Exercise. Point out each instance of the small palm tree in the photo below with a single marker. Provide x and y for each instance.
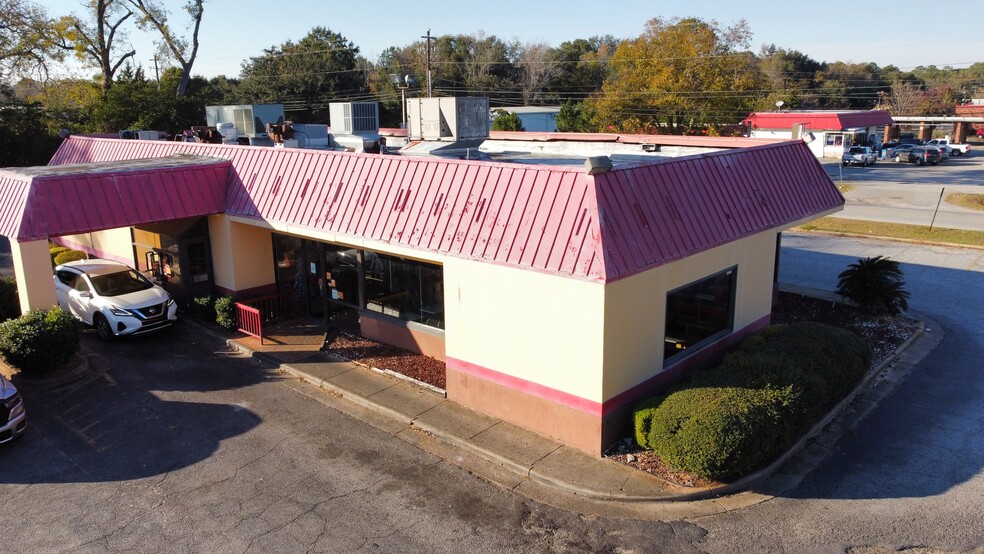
(875, 285)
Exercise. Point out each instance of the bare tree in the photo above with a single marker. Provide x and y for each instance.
(904, 99)
(93, 40)
(536, 63)
(155, 15)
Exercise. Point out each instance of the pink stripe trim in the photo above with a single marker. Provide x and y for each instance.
(620, 400)
(535, 389)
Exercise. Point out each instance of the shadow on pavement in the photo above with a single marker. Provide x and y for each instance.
(116, 423)
(923, 439)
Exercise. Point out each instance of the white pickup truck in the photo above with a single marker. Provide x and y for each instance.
(957, 149)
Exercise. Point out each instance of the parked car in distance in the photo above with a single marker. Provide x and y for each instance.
(956, 148)
(918, 155)
(13, 416)
(859, 155)
(112, 297)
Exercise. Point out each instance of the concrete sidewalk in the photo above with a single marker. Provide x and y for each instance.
(534, 465)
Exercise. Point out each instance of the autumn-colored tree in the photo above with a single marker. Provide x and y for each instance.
(679, 76)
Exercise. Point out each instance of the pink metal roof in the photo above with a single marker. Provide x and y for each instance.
(37, 203)
(553, 219)
(819, 121)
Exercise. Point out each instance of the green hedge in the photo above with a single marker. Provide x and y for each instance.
(40, 342)
(55, 250)
(9, 300)
(70, 256)
(723, 422)
(717, 431)
(225, 311)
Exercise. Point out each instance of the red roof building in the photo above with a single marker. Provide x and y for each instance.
(828, 133)
(557, 297)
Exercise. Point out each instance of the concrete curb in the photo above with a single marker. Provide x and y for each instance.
(531, 472)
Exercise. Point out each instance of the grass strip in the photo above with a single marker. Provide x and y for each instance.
(894, 231)
(971, 201)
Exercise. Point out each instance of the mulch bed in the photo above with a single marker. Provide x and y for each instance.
(383, 356)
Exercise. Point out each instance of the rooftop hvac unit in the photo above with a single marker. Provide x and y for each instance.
(148, 135)
(250, 119)
(354, 118)
(449, 119)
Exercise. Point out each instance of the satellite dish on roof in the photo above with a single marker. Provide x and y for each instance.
(779, 105)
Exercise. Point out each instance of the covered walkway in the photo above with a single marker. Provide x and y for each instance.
(38, 203)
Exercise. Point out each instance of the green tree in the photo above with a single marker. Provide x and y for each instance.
(305, 76)
(787, 76)
(574, 117)
(474, 65)
(856, 86)
(24, 138)
(875, 285)
(506, 121)
(93, 38)
(582, 66)
(679, 76)
(28, 41)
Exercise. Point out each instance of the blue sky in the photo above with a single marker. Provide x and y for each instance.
(887, 32)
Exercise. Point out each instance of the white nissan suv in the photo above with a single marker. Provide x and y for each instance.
(112, 297)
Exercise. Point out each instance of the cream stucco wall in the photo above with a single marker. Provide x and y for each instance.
(112, 244)
(536, 327)
(635, 306)
(242, 255)
(32, 270)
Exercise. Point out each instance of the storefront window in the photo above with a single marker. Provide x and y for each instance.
(286, 250)
(407, 289)
(342, 274)
(698, 312)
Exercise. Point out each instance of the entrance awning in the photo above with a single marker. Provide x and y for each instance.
(49, 201)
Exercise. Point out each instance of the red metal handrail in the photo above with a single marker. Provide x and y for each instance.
(252, 313)
(249, 320)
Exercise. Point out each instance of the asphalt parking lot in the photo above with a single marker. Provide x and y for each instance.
(906, 193)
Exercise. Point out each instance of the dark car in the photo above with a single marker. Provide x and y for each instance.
(918, 155)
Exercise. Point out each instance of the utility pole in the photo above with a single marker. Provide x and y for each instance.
(157, 73)
(429, 39)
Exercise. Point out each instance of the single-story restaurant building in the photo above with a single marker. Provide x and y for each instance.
(828, 133)
(558, 296)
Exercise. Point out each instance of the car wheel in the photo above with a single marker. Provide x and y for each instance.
(103, 329)
(919, 161)
(898, 159)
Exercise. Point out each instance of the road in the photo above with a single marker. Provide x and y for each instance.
(904, 193)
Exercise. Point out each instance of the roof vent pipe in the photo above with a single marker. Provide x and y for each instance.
(598, 164)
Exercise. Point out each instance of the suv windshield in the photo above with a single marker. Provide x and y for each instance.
(123, 282)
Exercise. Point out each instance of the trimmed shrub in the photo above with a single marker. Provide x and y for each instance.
(55, 250)
(205, 307)
(9, 300)
(70, 256)
(225, 311)
(718, 432)
(798, 369)
(40, 342)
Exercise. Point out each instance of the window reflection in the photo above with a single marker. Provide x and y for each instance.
(698, 312)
